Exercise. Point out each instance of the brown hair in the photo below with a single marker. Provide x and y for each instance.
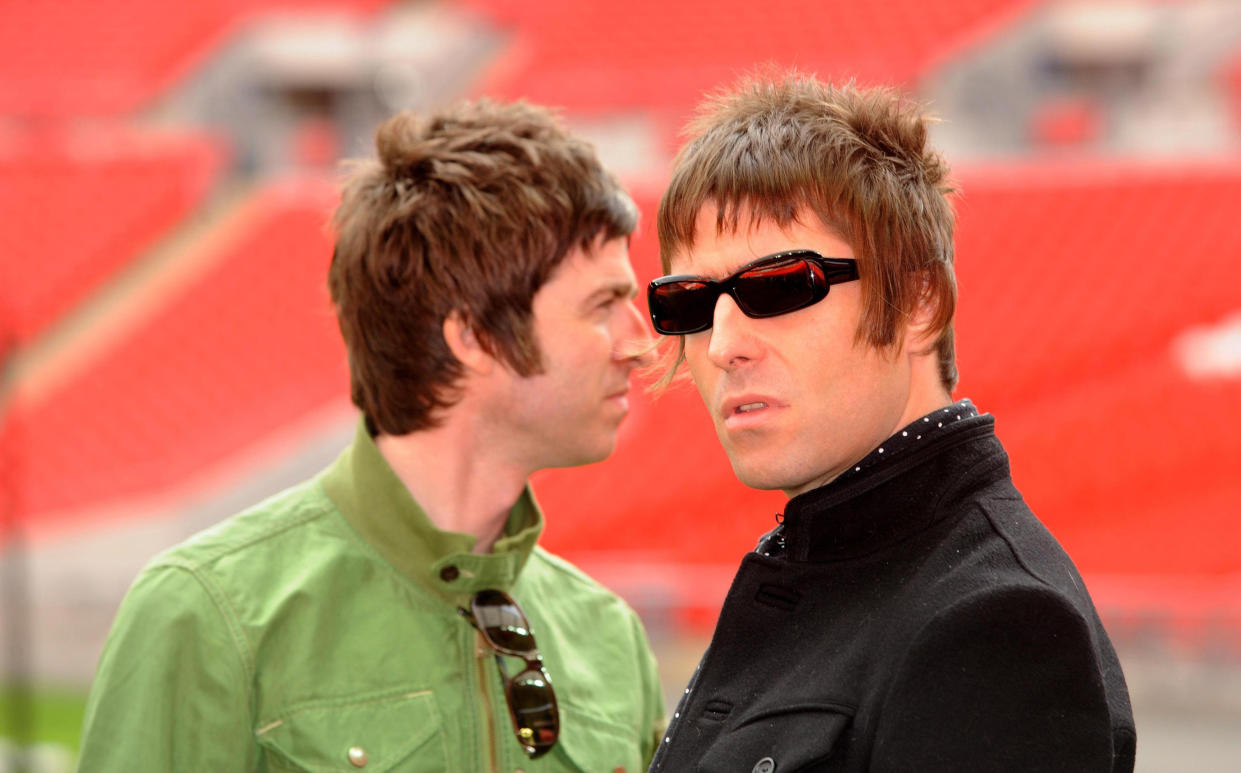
(469, 210)
(856, 158)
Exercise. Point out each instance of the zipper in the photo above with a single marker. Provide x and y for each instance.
(482, 654)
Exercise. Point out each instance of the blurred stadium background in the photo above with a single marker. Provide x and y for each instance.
(169, 353)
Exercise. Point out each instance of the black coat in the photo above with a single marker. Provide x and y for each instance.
(919, 619)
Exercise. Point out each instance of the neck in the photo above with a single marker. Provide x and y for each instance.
(922, 403)
(926, 394)
(457, 478)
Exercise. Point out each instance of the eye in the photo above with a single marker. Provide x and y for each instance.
(608, 301)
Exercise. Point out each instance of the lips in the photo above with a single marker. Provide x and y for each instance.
(748, 410)
(619, 397)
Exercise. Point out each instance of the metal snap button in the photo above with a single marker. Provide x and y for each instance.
(765, 765)
(357, 756)
(449, 573)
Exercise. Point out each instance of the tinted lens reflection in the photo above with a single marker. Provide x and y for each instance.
(775, 288)
(533, 704)
(681, 307)
(502, 623)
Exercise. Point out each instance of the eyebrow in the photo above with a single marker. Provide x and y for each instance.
(749, 264)
(612, 290)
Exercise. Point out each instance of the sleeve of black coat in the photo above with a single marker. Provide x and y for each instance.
(1005, 680)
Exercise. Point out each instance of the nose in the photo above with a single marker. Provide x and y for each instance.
(731, 342)
(633, 343)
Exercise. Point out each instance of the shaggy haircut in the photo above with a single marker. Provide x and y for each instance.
(856, 158)
(466, 211)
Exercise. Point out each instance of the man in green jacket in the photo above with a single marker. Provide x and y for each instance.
(394, 613)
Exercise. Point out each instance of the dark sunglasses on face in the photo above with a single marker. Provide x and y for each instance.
(531, 700)
(768, 287)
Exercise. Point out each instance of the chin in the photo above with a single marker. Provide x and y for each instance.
(586, 454)
(759, 477)
(773, 475)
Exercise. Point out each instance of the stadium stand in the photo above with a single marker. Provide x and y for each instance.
(663, 56)
(239, 351)
(82, 57)
(1120, 258)
(1069, 325)
(88, 201)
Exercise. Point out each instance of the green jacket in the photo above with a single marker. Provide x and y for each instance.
(320, 629)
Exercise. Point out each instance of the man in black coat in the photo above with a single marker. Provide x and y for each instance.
(909, 613)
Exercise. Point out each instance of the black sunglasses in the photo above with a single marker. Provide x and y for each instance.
(531, 700)
(767, 287)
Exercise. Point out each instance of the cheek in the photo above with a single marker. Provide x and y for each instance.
(601, 333)
(700, 369)
(575, 347)
(695, 355)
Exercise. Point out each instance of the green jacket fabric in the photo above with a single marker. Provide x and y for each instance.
(320, 631)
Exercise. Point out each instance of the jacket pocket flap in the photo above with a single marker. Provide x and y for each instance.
(790, 737)
(590, 743)
(372, 732)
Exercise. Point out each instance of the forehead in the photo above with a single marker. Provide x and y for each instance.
(604, 264)
(718, 253)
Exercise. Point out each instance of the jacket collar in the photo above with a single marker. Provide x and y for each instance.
(868, 512)
(380, 508)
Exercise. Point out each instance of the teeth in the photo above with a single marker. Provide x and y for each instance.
(750, 407)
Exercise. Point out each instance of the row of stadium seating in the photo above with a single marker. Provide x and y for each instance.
(662, 56)
(235, 352)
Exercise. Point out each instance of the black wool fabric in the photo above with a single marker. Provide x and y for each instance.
(918, 618)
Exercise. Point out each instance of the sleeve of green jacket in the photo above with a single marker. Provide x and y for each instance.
(172, 688)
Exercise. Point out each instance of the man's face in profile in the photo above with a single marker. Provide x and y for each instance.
(795, 398)
(587, 329)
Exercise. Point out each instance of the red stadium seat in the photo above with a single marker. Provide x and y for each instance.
(82, 204)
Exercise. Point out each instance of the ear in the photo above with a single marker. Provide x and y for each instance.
(465, 346)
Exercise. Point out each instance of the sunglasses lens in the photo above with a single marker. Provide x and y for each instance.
(502, 622)
(778, 288)
(682, 307)
(534, 710)
(531, 700)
